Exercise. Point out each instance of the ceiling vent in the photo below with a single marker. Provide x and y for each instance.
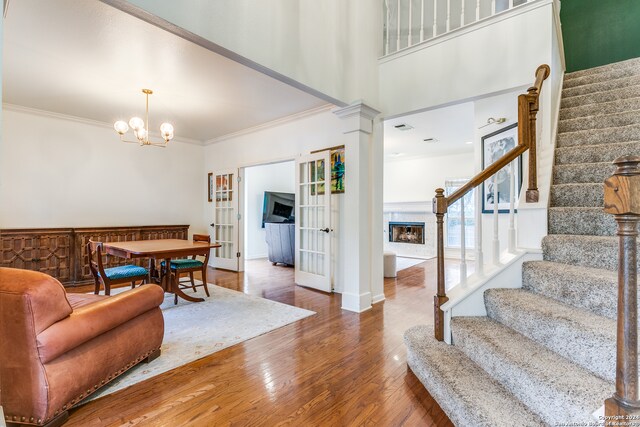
(430, 140)
(403, 126)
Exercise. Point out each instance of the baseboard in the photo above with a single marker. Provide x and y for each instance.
(356, 303)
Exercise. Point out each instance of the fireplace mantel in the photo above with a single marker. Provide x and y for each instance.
(408, 207)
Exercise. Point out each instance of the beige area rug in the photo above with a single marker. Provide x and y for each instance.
(195, 330)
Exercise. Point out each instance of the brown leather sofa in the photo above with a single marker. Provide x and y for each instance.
(57, 348)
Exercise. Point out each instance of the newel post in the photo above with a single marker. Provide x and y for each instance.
(439, 208)
(622, 199)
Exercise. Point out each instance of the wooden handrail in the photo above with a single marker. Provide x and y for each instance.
(622, 200)
(528, 105)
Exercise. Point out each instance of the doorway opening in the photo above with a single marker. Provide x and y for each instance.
(269, 215)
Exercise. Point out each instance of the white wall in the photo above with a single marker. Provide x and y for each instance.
(64, 173)
(331, 46)
(285, 142)
(465, 64)
(278, 177)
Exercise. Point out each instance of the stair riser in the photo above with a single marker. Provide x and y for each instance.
(594, 99)
(596, 294)
(551, 402)
(601, 86)
(583, 251)
(615, 73)
(593, 350)
(599, 122)
(582, 173)
(599, 136)
(596, 153)
(582, 222)
(603, 69)
(586, 195)
(619, 106)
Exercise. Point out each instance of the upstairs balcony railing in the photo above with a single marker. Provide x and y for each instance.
(410, 22)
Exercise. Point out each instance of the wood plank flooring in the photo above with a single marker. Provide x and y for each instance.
(336, 368)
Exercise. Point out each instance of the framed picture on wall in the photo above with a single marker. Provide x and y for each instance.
(494, 146)
(336, 154)
(210, 187)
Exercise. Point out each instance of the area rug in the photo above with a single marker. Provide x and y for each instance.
(195, 330)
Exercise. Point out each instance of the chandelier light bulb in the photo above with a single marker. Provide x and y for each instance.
(121, 127)
(136, 123)
(166, 128)
(141, 134)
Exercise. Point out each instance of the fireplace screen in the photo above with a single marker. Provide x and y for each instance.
(406, 232)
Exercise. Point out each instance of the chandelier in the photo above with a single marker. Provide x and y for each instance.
(141, 128)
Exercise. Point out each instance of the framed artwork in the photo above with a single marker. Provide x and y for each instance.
(210, 187)
(336, 154)
(494, 146)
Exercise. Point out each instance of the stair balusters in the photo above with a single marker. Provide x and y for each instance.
(527, 111)
(622, 200)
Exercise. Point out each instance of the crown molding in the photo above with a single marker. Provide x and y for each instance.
(271, 124)
(50, 114)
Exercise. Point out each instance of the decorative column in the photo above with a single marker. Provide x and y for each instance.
(363, 207)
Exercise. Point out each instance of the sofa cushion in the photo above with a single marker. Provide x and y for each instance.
(124, 271)
(79, 300)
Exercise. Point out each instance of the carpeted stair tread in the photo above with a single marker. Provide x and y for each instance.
(601, 86)
(616, 73)
(633, 63)
(556, 389)
(608, 135)
(582, 173)
(592, 289)
(596, 153)
(585, 338)
(624, 118)
(574, 195)
(580, 220)
(588, 251)
(466, 393)
(603, 108)
(596, 98)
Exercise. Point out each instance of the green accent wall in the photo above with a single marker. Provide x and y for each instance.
(598, 32)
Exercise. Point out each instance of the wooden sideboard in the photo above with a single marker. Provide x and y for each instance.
(62, 252)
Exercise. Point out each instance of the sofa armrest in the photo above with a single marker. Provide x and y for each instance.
(92, 320)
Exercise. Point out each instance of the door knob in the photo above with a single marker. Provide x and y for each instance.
(326, 230)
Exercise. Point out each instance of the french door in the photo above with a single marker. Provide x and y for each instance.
(225, 220)
(313, 221)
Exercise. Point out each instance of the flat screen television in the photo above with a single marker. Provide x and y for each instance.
(278, 207)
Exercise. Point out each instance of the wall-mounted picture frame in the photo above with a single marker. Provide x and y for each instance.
(336, 155)
(494, 146)
(210, 186)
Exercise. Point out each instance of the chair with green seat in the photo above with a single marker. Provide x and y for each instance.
(191, 265)
(115, 275)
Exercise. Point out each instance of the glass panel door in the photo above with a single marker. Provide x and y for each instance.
(225, 220)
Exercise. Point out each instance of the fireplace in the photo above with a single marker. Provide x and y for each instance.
(406, 232)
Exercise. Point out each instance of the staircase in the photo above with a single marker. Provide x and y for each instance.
(545, 353)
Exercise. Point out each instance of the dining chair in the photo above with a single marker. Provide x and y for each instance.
(191, 265)
(107, 277)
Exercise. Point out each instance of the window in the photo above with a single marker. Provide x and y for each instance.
(454, 217)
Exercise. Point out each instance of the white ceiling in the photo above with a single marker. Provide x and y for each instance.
(90, 60)
(451, 126)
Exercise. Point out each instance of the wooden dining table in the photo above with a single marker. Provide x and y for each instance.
(161, 250)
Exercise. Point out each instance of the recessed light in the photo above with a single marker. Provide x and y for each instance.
(403, 126)
(430, 140)
(396, 154)
(469, 142)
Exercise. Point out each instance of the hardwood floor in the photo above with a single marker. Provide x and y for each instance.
(336, 368)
